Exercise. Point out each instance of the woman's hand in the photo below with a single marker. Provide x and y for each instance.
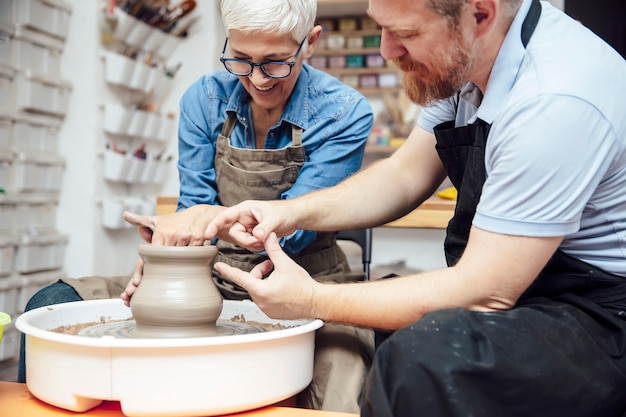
(135, 279)
(183, 228)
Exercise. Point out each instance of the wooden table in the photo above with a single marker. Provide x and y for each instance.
(434, 213)
(17, 401)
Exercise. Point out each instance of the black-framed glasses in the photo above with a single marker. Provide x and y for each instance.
(273, 69)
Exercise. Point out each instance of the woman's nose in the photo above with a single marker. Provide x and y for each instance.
(257, 75)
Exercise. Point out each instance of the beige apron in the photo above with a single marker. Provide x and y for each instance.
(264, 174)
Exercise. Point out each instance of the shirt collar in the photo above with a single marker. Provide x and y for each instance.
(295, 113)
(505, 68)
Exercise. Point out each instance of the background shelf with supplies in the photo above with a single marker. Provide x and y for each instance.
(34, 101)
(139, 38)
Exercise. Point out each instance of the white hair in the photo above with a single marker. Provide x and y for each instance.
(282, 17)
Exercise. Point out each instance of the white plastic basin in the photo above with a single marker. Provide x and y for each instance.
(164, 377)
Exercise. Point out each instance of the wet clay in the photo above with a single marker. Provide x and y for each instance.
(176, 296)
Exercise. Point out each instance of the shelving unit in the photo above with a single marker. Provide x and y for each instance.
(34, 102)
(353, 55)
(136, 130)
(358, 44)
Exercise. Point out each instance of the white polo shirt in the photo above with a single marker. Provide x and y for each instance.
(556, 152)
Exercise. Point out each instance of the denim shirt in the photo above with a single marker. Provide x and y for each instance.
(336, 122)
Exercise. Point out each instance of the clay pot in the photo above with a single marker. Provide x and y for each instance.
(177, 296)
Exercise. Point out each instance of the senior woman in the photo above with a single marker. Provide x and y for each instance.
(269, 127)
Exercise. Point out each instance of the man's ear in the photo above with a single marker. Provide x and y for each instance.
(485, 13)
(313, 37)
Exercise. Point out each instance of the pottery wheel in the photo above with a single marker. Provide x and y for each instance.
(126, 329)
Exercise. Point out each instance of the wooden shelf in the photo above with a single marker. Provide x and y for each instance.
(434, 213)
(356, 32)
(358, 71)
(322, 57)
(379, 90)
(347, 51)
(340, 8)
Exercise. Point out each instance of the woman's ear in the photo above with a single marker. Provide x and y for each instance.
(313, 37)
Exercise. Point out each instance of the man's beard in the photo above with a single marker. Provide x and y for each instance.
(450, 70)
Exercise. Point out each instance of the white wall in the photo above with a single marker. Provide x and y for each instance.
(93, 250)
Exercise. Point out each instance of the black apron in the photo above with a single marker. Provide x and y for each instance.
(560, 352)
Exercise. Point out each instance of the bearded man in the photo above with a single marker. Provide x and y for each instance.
(525, 114)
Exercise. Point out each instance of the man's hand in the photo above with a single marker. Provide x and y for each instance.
(184, 228)
(249, 223)
(287, 293)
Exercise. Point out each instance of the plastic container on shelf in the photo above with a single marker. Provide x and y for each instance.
(7, 89)
(129, 30)
(9, 295)
(111, 216)
(32, 282)
(116, 118)
(139, 35)
(118, 69)
(37, 51)
(161, 170)
(35, 133)
(6, 166)
(124, 26)
(374, 61)
(167, 48)
(337, 61)
(335, 41)
(137, 123)
(389, 79)
(6, 132)
(34, 213)
(40, 172)
(355, 61)
(136, 168)
(116, 166)
(10, 338)
(114, 207)
(40, 252)
(320, 61)
(139, 80)
(6, 44)
(8, 246)
(354, 42)
(34, 92)
(7, 213)
(149, 172)
(48, 16)
(152, 125)
(155, 40)
(162, 85)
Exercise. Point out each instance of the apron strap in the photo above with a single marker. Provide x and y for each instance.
(296, 135)
(530, 23)
(229, 125)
